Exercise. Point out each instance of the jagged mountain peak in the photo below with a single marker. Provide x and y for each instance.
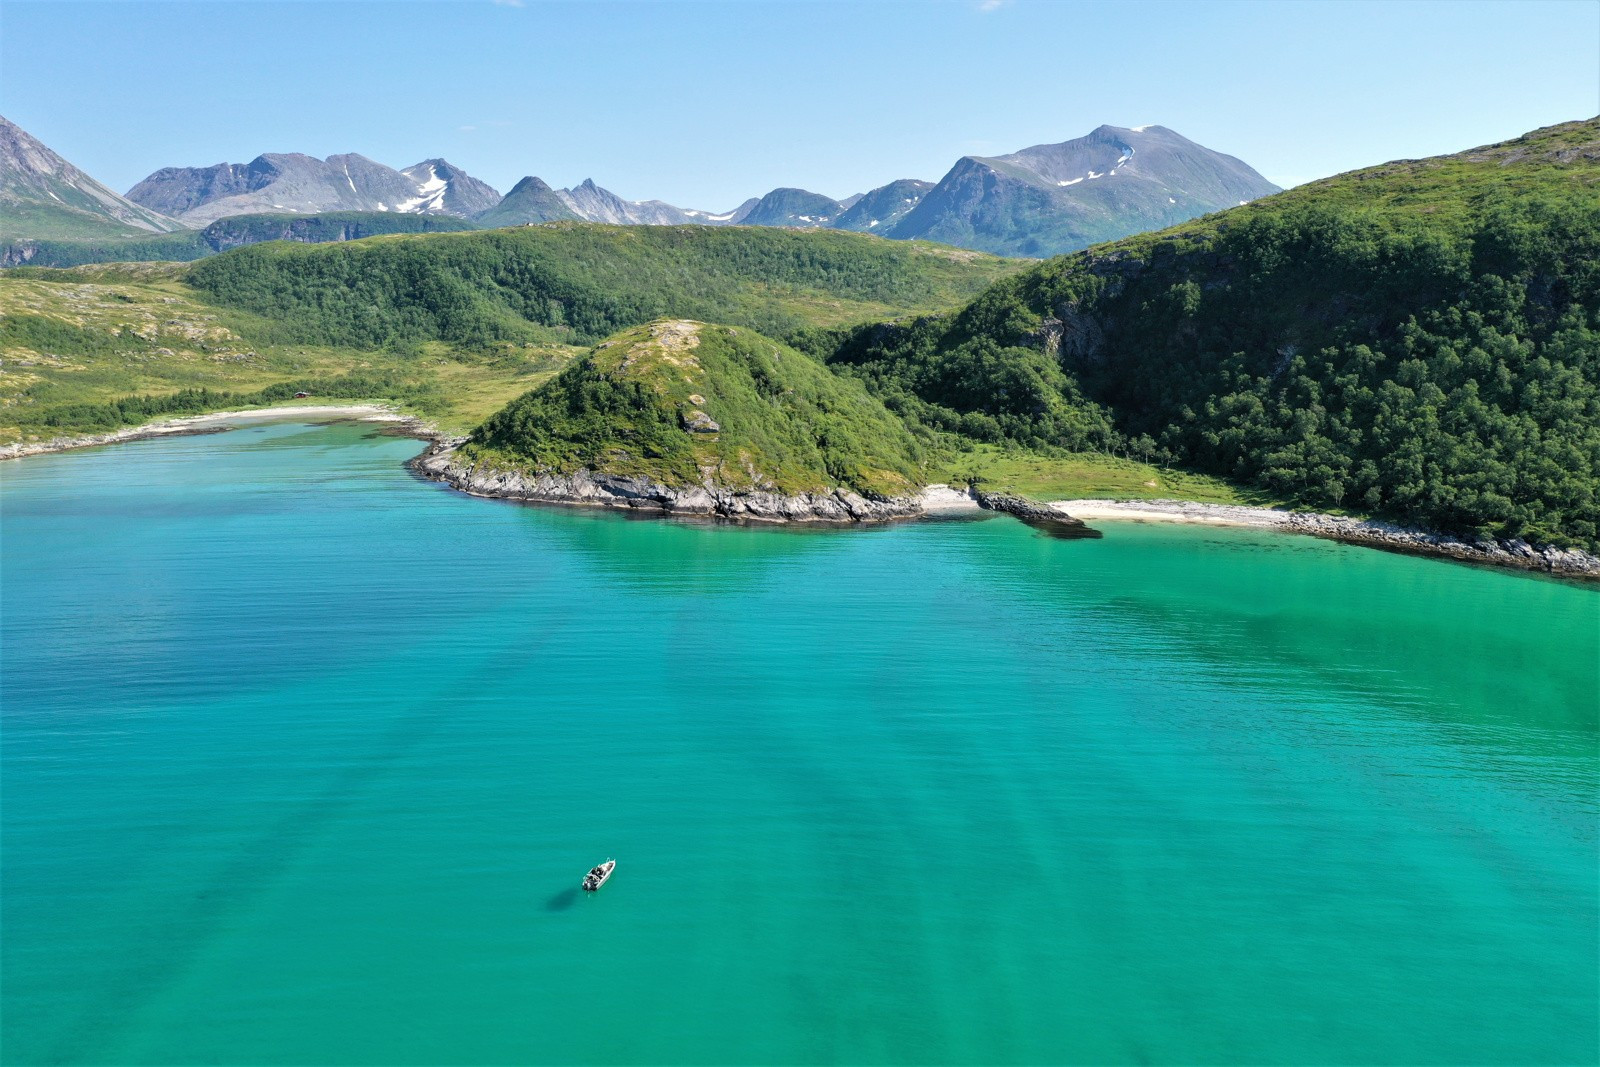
(879, 210)
(531, 200)
(451, 190)
(1053, 198)
(532, 181)
(793, 207)
(296, 183)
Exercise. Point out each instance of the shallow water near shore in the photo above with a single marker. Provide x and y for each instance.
(304, 758)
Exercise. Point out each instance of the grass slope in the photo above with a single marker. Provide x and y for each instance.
(1085, 475)
(1419, 340)
(94, 349)
(684, 404)
(580, 282)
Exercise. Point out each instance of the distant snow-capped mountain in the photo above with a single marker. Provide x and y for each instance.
(1039, 201)
(1055, 198)
(300, 184)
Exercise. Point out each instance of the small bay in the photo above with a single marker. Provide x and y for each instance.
(303, 760)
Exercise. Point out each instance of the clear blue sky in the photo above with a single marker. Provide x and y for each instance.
(705, 104)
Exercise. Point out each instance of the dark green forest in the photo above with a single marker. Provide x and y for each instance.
(1419, 341)
(580, 282)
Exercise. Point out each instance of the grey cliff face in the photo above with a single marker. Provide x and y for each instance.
(589, 201)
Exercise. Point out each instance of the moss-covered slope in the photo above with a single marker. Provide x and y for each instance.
(683, 404)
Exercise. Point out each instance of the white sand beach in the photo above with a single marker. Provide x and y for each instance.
(211, 422)
(1183, 511)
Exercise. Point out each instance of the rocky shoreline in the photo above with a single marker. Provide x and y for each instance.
(1060, 518)
(593, 489)
(1064, 519)
(1565, 562)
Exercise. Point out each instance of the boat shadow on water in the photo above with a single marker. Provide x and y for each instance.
(562, 900)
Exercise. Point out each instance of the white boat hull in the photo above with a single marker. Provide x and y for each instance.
(599, 876)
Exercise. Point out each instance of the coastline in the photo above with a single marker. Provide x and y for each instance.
(1058, 518)
(843, 507)
(585, 488)
(1563, 562)
(219, 421)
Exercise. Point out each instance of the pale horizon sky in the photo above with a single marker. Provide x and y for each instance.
(704, 104)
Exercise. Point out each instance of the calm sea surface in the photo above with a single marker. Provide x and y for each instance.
(303, 760)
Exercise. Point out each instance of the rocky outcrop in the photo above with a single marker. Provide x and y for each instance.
(598, 489)
(1053, 521)
(697, 421)
(18, 254)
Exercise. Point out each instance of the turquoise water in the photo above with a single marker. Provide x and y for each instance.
(303, 760)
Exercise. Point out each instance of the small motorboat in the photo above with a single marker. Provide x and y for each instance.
(598, 875)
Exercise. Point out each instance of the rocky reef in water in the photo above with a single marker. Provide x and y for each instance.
(1043, 517)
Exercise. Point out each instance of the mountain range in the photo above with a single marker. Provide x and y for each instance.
(1040, 201)
(300, 184)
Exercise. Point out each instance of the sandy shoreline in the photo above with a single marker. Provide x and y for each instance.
(1180, 511)
(215, 422)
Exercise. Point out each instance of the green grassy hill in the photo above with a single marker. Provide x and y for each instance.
(1419, 340)
(580, 282)
(428, 321)
(97, 348)
(681, 403)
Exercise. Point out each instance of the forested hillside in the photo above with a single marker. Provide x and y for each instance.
(583, 281)
(1419, 340)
